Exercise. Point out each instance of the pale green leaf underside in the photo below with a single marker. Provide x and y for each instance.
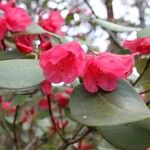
(20, 73)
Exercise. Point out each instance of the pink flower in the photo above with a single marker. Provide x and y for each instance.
(63, 63)
(46, 87)
(25, 43)
(141, 45)
(45, 43)
(54, 22)
(84, 146)
(8, 107)
(104, 70)
(17, 19)
(45, 46)
(43, 104)
(3, 28)
(62, 100)
(6, 7)
(69, 91)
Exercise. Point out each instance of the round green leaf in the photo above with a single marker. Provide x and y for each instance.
(108, 108)
(20, 73)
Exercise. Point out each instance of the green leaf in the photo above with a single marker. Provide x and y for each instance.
(104, 145)
(144, 32)
(115, 27)
(5, 55)
(145, 79)
(108, 108)
(20, 73)
(37, 29)
(34, 29)
(19, 100)
(133, 136)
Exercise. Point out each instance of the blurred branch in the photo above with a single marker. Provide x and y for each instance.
(112, 35)
(31, 144)
(4, 126)
(144, 92)
(109, 7)
(77, 130)
(72, 141)
(141, 4)
(14, 128)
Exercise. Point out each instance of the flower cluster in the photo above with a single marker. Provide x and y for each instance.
(15, 19)
(66, 62)
(25, 43)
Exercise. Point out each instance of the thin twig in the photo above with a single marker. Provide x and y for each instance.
(77, 131)
(6, 129)
(14, 128)
(145, 68)
(53, 120)
(61, 119)
(31, 144)
(72, 141)
(144, 92)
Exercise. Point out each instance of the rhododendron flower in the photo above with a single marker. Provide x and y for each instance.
(54, 22)
(45, 46)
(45, 43)
(63, 62)
(17, 19)
(104, 70)
(46, 87)
(62, 100)
(3, 28)
(7, 6)
(141, 45)
(7, 106)
(43, 104)
(69, 91)
(84, 146)
(25, 43)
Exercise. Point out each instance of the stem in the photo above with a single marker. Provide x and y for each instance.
(31, 144)
(77, 130)
(61, 119)
(4, 126)
(52, 118)
(14, 128)
(144, 92)
(72, 141)
(145, 68)
(4, 45)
